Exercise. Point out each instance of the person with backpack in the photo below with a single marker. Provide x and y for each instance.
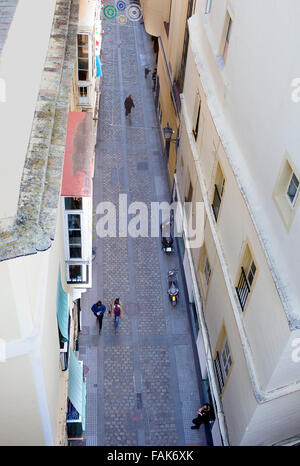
(117, 312)
(99, 310)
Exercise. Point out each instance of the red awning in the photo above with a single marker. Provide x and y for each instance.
(78, 161)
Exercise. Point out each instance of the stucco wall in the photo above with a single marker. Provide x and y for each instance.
(22, 63)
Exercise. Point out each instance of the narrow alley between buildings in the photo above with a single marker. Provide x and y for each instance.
(143, 382)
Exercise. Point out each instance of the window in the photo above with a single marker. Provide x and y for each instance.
(223, 363)
(83, 57)
(286, 191)
(73, 203)
(224, 44)
(218, 192)
(189, 193)
(225, 50)
(206, 270)
(74, 234)
(196, 115)
(167, 23)
(84, 95)
(208, 6)
(226, 358)
(293, 189)
(246, 277)
(77, 272)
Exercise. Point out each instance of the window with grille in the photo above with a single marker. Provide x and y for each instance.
(246, 279)
(223, 363)
(206, 270)
(218, 191)
(286, 191)
(74, 235)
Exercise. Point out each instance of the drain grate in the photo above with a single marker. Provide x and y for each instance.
(139, 401)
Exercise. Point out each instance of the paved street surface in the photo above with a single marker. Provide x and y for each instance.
(142, 387)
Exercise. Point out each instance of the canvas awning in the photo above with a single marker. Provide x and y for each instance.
(78, 160)
(62, 307)
(77, 386)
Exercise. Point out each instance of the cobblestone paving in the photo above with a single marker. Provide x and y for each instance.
(142, 388)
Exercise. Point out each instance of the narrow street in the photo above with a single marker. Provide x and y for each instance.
(142, 385)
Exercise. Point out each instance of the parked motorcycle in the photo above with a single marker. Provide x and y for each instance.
(167, 239)
(173, 290)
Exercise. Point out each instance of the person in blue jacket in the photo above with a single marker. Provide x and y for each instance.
(99, 310)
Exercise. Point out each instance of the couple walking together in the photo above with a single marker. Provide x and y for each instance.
(116, 309)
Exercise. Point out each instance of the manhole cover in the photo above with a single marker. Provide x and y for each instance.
(142, 166)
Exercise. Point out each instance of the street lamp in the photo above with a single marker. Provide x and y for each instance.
(168, 132)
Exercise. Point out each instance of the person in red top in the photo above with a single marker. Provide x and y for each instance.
(117, 310)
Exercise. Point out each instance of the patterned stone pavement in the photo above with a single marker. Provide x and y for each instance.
(142, 387)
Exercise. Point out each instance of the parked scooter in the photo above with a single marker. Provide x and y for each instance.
(173, 290)
(167, 239)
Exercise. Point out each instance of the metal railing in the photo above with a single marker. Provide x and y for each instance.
(219, 373)
(243, 289)
(216, 203)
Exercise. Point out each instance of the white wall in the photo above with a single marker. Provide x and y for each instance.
(21, 67)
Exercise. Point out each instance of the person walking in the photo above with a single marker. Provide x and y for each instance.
(147, 71)
(99, 310)
(154, 74)
(205, 414)
(117, 309)
(128, 103)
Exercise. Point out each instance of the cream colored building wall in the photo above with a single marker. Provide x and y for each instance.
(31, 373)
(238, 400)
(9, 324)
(235, 227)
(249, 423)
(20, 422)
(152, 14)
(49, 348)
(22, 63)
(272, 421)
(254, 94)
(21, 280)
(264, 320)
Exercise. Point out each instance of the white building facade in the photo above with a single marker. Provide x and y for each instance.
(239, 150)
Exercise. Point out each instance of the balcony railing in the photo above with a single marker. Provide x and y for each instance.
(243, 289)
(216, 203)
(219, 373)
